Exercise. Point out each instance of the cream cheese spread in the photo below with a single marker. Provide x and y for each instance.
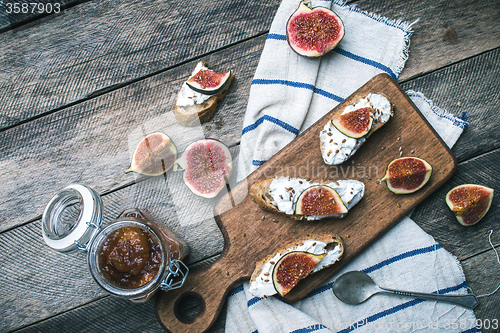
(263, 286)
(338, 147)
(188, 96)
(285, 192)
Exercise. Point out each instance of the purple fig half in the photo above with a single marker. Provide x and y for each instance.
(155, 154)
(469, 202)
(208, 82)
(207, 164)
(293, 267)
(407, 175)
(312, 32)
(356, 123)
(319, 200)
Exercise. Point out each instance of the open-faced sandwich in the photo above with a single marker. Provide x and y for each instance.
(349, 128)
(281, 271)
(197, 99)
(303, 199)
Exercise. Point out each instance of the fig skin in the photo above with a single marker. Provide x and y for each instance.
(400, 171)
(155, 154)
(306, 11)
(215, 82)
(300, 265)
(355, 118)
(323, 203)
(208, 174)
(469, 202)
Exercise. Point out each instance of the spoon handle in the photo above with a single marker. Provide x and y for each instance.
(468, 301)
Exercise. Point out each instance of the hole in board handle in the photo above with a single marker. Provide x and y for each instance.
(188, 307)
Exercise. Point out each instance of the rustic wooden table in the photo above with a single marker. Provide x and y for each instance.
(74, 84)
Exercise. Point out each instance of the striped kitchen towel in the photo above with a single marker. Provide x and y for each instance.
(288, 94)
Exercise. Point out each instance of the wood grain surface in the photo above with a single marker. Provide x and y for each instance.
(74, 86)
(85, 58)
(260, 233)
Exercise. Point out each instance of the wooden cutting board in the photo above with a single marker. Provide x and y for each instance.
(251, 234)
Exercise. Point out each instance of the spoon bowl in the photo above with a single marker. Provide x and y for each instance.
(355, 287)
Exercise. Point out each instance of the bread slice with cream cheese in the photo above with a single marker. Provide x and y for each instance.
(280, 194)
(261, 281)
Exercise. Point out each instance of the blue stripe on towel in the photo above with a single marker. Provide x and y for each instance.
(236, 290)
(258, 162)
(303, 85)
(397, 308)
(401, 256)
(347, 54)
(310, 328)
(278, 122)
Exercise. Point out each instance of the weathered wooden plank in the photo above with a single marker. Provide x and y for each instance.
(107, 314)
(434, 216)
(482, 272)
(92, 142)
(16, 13)
(446, 32)
(470, 88)
(46, 69)
(100, 44)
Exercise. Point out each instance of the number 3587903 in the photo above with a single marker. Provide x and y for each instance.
(32, 8)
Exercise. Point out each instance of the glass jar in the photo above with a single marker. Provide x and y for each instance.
(131, 258)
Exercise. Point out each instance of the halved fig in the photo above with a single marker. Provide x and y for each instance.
(207, 164)
(319, 200)
(469, 202)
(293, 267)
(208, 82)
(154, 155)
(312, 32)
(355, 124)
(407, 175)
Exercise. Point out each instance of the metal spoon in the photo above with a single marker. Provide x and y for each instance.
(355, 287)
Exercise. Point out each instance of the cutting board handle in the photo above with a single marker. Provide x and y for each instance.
(203, 293)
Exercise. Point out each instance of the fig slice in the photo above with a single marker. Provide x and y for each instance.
(155, 154)
(292, 267)
(319, 200)
(356, 123)
(208, 82)
(207, 164)
(407, 175)
(312, 32)
(469, 202)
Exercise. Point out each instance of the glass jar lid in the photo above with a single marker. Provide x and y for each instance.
(72, 218)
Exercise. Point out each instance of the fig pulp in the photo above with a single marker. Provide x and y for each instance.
(208, 82)
(469, 202)
(154, 155)
(319, 200)
(355, 124)
(312, 32)
(293, 267)
(207, 164)
(407, 175)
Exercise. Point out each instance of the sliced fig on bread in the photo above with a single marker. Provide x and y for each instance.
(352, 125)
(198, 97)
(281, 271)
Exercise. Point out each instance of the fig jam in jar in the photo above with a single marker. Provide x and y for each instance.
(132, 257)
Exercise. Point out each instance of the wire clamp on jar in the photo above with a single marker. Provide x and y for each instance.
(177, 276)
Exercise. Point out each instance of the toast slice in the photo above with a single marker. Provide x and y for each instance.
(202, 107)
(280, 195)
(336, 147)
(261, 281)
